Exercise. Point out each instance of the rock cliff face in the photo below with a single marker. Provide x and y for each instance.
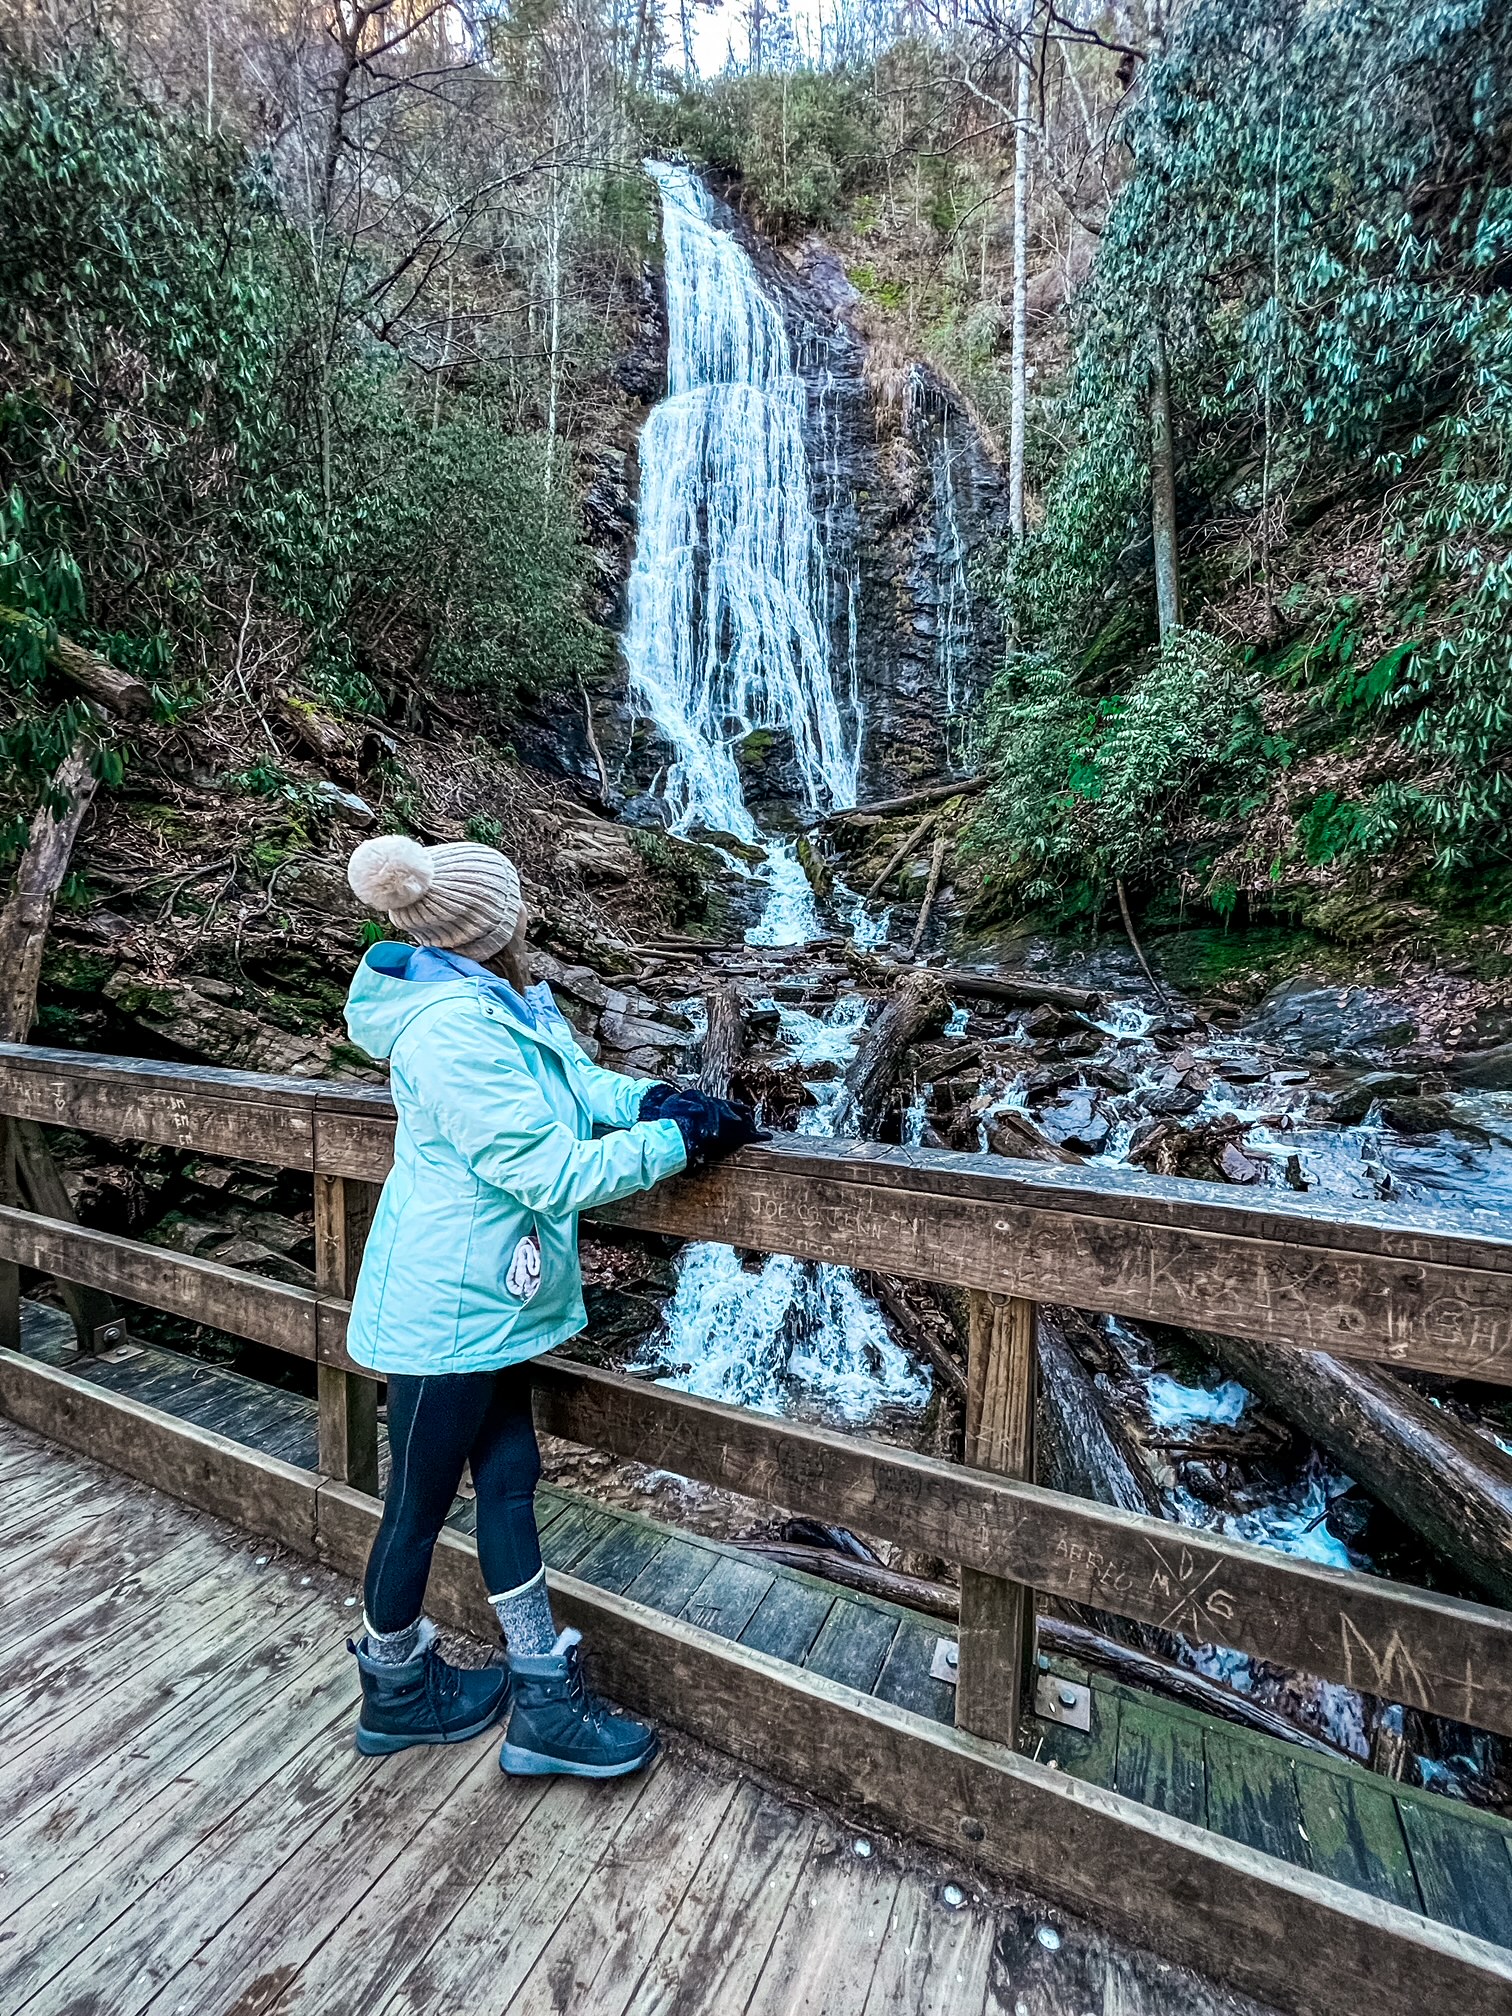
(906, 493)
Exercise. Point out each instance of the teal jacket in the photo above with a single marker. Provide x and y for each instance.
(497, 1110)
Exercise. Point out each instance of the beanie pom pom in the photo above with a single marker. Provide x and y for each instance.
(391, 873)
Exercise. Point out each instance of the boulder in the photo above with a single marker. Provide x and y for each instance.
(1487, 1071)
(1349, 1107)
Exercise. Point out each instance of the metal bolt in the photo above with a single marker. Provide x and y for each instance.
(973, 1829)
(1043, 1663)
(1048, 1937)
(954, 1896)
(863, 1849)
(952, 1655)
(1068, 1697)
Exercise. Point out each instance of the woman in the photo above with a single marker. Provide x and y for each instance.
(505, 1133)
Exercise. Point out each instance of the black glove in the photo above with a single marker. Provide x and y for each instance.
(653, 1105)
(710, 1127)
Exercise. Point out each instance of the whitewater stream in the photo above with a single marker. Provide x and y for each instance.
(731, 598)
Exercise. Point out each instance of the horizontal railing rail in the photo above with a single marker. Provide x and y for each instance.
(1424, 1290)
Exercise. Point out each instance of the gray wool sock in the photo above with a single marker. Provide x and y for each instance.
(525, 1618)
(395, 1648)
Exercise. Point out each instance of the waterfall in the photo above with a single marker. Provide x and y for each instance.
(731, 610)
(729, 593)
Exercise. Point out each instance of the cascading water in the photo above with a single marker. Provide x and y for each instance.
(729, 592)
(731, 601)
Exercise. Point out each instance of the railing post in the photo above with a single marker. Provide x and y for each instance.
(348, 1402)
(997, 1617)
(10, 1273)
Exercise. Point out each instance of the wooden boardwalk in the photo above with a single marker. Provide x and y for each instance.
(1412, 1848)
(186, 1829)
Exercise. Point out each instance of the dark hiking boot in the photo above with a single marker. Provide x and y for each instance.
(556, 1725)
(425, 1700)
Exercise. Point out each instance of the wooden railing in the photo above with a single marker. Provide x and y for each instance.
(1431, 1291)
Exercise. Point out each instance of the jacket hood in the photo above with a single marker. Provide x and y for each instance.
(389, 989)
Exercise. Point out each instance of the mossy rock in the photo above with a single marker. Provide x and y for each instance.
(1357, 920)
(1242, 963)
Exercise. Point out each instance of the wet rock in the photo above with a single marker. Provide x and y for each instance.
(763, 1025)
(1322, 1021)
(1046, 1080)
(1015, 1135)
(1349, 1107)
(1080, 1043)
(1078, 1123)
(1111, 1077)
(1488, 1071)
(199, 1018)
(1166, 1148)
(1429, 1116)
(1172, 1101)
(1238, 1167)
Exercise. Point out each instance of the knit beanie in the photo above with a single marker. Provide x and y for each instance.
(460, 897)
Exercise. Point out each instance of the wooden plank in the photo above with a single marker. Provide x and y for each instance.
(1452, 1657)
(827, 1946)
(629, 1546)
(71, 1871)
(788, 1619)
(241, 1115)
(671, 1576)
(719, 1937)
(729, 1595)
(593, 1959)
(1354, 1834)
(1288, 1936)
(1417, 1287)
(149, 1935)
(269, 1312)
(906, 1679)
(501, 1930)
(387, 1927)
(1252, 1795)
(278, 1923)
(932, 1963)
(1465, 1873)
(1160, 1763)
(251, 1490)
(82, 1591)
(10, 1273)
(348, 1402)
(1292, 1937)
(996, 1631)
(853, 1642)
(1090, 1755)
(580, 1527)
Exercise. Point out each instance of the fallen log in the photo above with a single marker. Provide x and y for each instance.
(1433, 1472)
(927, 794)
(1020, 990)
(890, 1293)
(724, 1039)
(931, 890)
(899, 855)
(120, 692)
(1054, 1635)
(24, 925)
(919, 1004)
(913, 1592)
(1142, 1669)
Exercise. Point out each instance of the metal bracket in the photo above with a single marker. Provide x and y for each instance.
(946, 1663)
(1063, 1701)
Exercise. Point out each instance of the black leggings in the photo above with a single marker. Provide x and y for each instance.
(435, 1425)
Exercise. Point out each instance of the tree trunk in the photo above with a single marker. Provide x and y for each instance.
(121, 692)
(1443, 1481)
(723, 1041)
(1020, 370)
(24, 925)
(900, 854)
(26, 917)
(931, 890)
(1020, 990)
(927, 794)
(1163, 487)
(920, 1003)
